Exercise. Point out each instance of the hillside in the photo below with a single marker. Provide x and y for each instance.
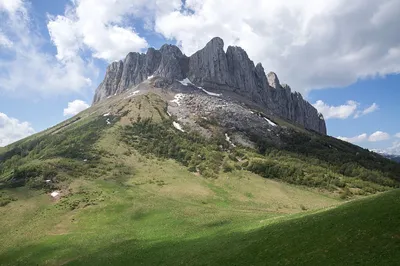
(135, 189)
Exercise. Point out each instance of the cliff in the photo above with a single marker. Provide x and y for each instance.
(212, 67)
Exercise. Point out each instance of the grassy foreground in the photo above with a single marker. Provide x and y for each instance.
(139, 227)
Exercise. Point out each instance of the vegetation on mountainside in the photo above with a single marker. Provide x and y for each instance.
(303, 161)
(54, 157)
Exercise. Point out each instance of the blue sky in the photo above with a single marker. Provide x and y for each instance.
(345, 59)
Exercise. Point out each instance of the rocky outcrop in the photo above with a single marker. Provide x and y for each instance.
(111, 81)
(209, 65)
(212, 68)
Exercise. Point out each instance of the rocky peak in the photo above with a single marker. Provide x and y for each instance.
(214, 69)
(209, 65)
(172, 64)
(273, 80)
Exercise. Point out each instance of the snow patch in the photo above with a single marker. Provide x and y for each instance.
(48, 181)
(132, 94)
(106, 114)
(228, 139)
(150, 77)
(178, 126)
(185, 82)
(108, 122)
(270, 122)
(177, 99)
(210, 93)
(55, 194)
(168, 113)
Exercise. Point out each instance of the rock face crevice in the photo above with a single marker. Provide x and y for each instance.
(212, 67)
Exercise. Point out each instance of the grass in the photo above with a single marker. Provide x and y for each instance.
(185, 207)
(136, 225)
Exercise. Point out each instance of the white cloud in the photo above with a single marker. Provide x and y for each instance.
(341, 112)
(374, 107)
(11, 6)
(378, 136)
(356, 139)
(29, 70)
(374, 137)
(397, 135)
(12, 129)
(309, 43)
(393, 150)
(75, 107)
(4, 41)
(100, 26)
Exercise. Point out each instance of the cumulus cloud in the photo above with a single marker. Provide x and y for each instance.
(309, 43)
(356, 139)
(12, 129)
(374, 137)
(75, 107)
(394, 149)
(345, 110)
(374, 107)
(341, 112)
(11, 5)
(397, 135)
(99, 25)
(27, 69)
(378, 136)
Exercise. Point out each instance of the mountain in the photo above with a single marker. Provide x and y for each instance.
(193, 165)
(217, 71)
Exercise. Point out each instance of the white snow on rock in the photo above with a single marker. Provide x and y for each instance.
(185, 82)
(270, 122)
(55, 194)
(168, 113)
(106, 114)
(108, 122)
(177, 99)
(210, 93)
(132, 94)
(48, 181)
(228, 139)
(150, 77)
(178, 126)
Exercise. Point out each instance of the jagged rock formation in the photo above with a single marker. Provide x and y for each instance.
(212, 68)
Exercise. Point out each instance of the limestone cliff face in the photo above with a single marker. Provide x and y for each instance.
(212, 67)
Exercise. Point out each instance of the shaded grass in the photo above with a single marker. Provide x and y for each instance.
(363, 232)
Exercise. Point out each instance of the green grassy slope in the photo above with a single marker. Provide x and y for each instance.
(359, 233)
(136, 227)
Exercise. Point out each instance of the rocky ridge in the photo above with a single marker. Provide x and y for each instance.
(216, 70)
